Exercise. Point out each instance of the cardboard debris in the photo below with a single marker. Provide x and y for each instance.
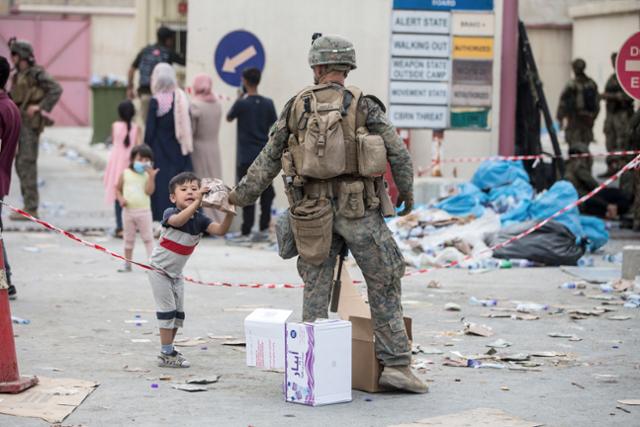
(434, 284)
(417, 348)
(632, 402)
(189, 342)
(127, 368)
(499, 344)
(204, 380)
(600, 297)
(606, 378)
(548, 354)
(619, 317)
(52, 400)
(221, 337)
(480, 417)
(235, 343)
(516, 357)
(365, 367)
(189, 387)
(479, 330)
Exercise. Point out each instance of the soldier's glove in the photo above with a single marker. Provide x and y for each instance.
(407, 199)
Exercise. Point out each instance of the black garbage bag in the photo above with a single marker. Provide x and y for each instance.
(552, 244)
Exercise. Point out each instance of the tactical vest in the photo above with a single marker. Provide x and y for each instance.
(328, 138)
(25, 90)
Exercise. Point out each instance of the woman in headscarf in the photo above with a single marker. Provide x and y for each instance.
(168, 133)
(206, 113)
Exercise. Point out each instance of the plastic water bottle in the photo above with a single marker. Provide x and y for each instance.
(20, 320)
(633, 301)
(606, 288)
(569, 285)
(614, 258)
(528, 307)
(491, 263)
(522, 263)
(475, 265)
(586, 261)
(483, 302)
(505, 263)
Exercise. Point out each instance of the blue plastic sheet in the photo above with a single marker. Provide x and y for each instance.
(561, 194)
(596, 232)
(508, 197)
(462, 205)
(492, 174)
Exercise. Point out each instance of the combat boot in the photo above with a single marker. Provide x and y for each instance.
(402, 378)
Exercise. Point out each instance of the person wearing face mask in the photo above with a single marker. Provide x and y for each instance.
(134, 188)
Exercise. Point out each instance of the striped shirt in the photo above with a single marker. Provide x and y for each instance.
(177, 244)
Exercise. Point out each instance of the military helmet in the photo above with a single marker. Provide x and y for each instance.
(22, 48)
(332, 50)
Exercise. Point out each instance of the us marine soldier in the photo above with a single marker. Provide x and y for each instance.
(578, 107)
(332, 143)
(616, 123)
(34, 92)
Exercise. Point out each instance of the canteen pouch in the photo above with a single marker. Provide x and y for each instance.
(312, 226)
(286, 241)
(372, 155)
(351, 199)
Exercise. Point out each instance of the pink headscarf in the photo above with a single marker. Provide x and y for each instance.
(202, 85)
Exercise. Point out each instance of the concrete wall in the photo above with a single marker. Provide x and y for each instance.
(552, 47)
(285, 28)
(598, 30)
(112, 47)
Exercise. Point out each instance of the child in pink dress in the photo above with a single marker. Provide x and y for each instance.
(124, 135)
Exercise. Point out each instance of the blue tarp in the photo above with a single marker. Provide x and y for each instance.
(595, 231)
(492, 174)
(462, 205)
(561, 194)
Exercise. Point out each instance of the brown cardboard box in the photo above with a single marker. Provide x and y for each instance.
(365, 368)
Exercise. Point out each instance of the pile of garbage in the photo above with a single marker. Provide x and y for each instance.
(498, 204)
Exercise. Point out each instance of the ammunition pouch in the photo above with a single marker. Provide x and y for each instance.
(312, 227)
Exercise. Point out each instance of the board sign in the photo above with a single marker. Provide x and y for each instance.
(470, 96)
(419, 116)
(628, 66)
(423, 22)
(472, 48)
(419, 93)
(443, 4)
(470, 118)
(420, 69)
(472, 72)
(419, 45)
(237, 51)
(472, 24)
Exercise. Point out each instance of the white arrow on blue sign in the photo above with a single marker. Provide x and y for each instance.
(237, 51)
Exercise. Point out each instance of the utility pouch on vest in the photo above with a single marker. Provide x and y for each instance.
(372, 154)
(323, 149)
(284, 234)
(312, 226)
(287, 164)
(351, 199)
(386, 205)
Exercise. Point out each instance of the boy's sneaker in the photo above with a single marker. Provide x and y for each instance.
(126, 268)
(173, 360)
(260, 236)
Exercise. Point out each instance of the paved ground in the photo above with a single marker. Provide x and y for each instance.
(78, 306)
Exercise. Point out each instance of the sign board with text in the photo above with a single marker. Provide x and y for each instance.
(628, 66)
(441, 58)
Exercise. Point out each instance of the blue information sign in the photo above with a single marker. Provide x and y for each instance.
(443, 4)
(237, 51)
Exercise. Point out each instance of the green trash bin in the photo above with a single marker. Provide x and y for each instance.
(105, 110)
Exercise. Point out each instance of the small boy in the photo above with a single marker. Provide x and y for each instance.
(182, 227)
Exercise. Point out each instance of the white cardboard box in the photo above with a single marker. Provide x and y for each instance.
(318, 362)
(264, 335)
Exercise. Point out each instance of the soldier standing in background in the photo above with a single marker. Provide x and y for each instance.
(332, 144)
(34, 92)
(616, 124)
(579, 106)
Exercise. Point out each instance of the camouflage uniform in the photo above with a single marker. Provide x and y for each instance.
(31, 86)
(580, 117)
(633, 176)
(368, 238)
(616, 124)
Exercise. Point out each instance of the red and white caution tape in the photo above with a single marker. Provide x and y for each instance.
(423, 171)
(147, 267)
(632, 164)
